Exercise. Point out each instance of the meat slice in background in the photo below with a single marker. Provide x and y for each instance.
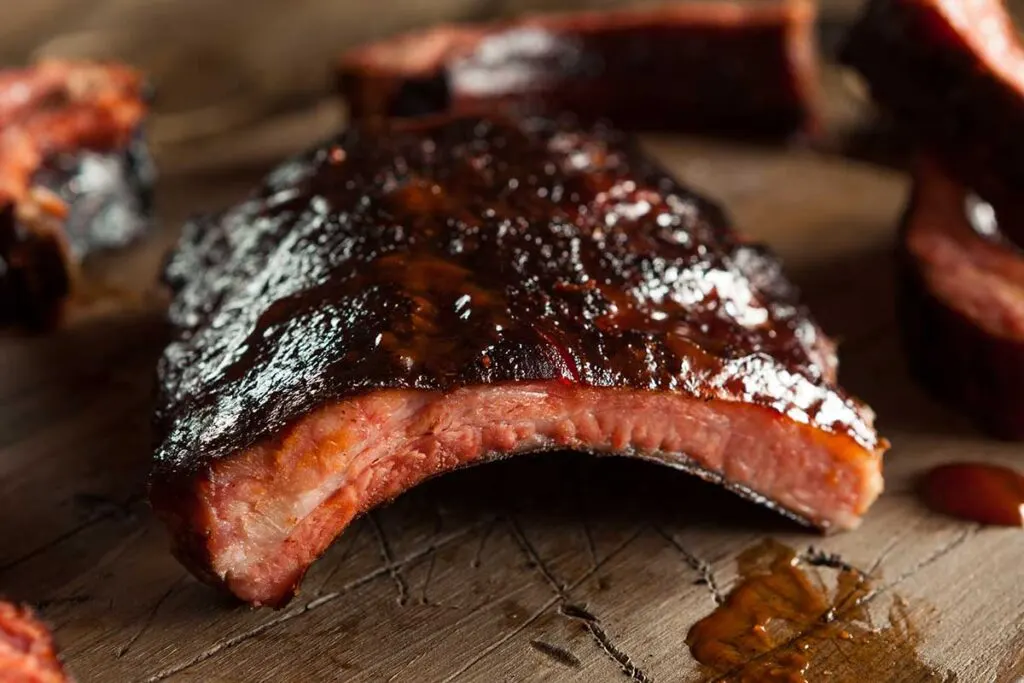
(75, 179)
(415, 296)
(723, 67)
(27, 653)
(951, 74)
(962, 302)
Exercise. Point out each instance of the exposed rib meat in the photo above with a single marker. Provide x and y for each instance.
(75, 178)
(951, 72)
(728, 67)
(27, 654)
(424, 295)
(962, 302)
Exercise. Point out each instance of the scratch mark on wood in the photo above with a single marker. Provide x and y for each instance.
(702, 567)
(385, 551)
(576, 612)
(544, 608)
(483, 541)
(405, 667)
(325, 599)
(930, 560)
(72, 600)
(591, 546)
(551, 602)
(424, 600)
(114, 554)
(558, 654)
(123, 650)
(350, 543)
(839, 650)
(435, 505)
(100, 504)
(57, 540)
(884, 554)
(600, 635)
(534, 556)
(820, 558)
(616, 653)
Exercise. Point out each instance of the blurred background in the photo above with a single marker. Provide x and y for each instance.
(225, 69)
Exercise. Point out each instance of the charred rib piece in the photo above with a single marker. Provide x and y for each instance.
(719, 67)
(414, 298)
(961, 303)
(27, 654)
(75, 179)
(951, 72)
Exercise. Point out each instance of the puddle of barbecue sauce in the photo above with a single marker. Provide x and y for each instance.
(781, 624)
(980, 492)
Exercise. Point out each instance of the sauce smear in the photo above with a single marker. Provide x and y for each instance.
(989, 494)
(782, 624)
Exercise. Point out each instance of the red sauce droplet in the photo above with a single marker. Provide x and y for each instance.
(990, 494)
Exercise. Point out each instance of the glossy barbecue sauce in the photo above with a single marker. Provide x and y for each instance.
(989, 494)
(781, 624)
(452, 252)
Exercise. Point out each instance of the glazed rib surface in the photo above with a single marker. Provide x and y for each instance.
(417, 296)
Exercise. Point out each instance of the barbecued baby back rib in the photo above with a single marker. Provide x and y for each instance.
(75, 178)
(740, 68)
(411, 298)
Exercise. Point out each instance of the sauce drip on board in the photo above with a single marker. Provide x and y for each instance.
(989, 494)
(782, 624)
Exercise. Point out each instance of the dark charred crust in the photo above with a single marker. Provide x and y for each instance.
(108, 196)
(943, 94)
(744, 70)
(447, 253)
(952, 356)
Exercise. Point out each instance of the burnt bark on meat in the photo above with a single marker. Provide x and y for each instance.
(27, 653)
(952, 75)
(960, 306)
(75, 179)
(415, 296)
(742, 69)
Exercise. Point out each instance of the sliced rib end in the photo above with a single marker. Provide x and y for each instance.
(962, 306)
(253, 523)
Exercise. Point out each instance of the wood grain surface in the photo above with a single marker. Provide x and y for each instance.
(481, 575)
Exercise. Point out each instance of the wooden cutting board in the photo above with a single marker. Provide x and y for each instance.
(480, 575)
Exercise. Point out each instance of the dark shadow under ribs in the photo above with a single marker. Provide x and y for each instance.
(962, 302)
(27, 653)
(75, 179)
(423, 295)
(722, 67)
(951, 73)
